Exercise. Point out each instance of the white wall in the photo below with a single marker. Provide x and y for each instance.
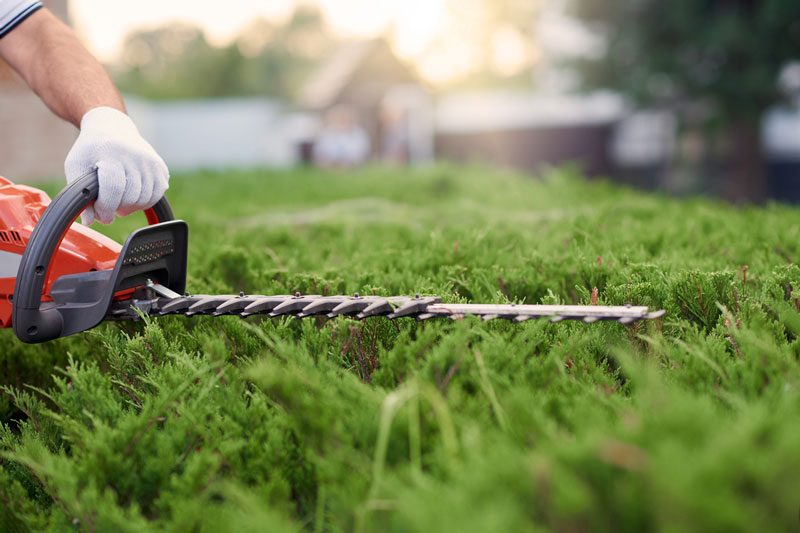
(218, 133)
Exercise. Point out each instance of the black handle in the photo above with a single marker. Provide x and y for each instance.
(33, 322)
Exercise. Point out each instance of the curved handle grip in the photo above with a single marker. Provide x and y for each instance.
(30, 321)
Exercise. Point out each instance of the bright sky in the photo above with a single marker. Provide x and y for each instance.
(415, 24)
(105, 23)
(423, 30)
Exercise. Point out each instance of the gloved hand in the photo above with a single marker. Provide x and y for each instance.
(131, 174)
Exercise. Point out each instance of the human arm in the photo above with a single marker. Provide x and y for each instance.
(58, 68)
(71, 82)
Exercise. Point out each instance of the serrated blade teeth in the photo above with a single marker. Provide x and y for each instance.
(322, 306)
(208, 304)
(234, 306)
(351, 306)
(414, 306)
(421, 308)
(177, 305)
(263, 305)
(380, 306)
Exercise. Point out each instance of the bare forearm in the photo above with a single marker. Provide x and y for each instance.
(131, 176)
(59, 69)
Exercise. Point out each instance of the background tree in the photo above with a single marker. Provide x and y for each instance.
(726, 55)
(268, 59)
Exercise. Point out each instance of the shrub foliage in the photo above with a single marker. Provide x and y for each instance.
(260, 424)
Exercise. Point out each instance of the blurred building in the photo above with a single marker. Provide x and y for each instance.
(35, 142)
(384, 96)
(604, 136)
(527, 131)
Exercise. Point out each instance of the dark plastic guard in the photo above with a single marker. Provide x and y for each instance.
(153, 253)
(34, 321)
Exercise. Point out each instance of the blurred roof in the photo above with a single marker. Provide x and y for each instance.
(363, 62)
(327, 82)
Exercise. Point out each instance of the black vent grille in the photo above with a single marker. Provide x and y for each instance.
(148, 252)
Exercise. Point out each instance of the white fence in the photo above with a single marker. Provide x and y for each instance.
(218, 133)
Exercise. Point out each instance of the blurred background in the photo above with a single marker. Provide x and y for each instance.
(686, 96)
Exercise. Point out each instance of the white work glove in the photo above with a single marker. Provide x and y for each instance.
(131, 174)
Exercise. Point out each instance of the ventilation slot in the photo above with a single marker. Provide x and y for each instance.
(10, 237)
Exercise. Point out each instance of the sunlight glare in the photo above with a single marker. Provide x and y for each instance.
(435, 35)
(510, 52)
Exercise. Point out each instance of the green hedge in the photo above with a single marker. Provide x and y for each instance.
(202, 424)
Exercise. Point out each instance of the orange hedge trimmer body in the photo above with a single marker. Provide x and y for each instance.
(81, 250)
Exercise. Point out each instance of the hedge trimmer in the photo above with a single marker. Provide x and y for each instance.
(58, 278)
